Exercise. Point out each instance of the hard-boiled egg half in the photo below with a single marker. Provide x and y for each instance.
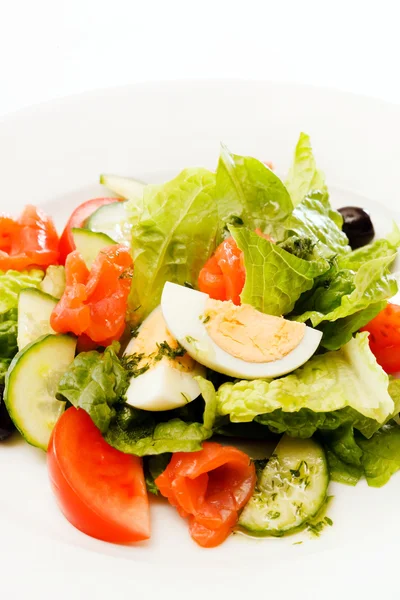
(163, 374)
(236, 340)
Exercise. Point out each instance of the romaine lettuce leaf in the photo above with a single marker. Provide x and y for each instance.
(95, 382)
(303, 176)
(275, 279)
(337, 333)
(4, 364)
(248, 192)
(343, 455)
(381, 248)
(12, 282)
(327, 383)
(381, 454)
(314, 219)
(138, 432)
(341, 293)
(173, 237)
(153, 467)
(8, 333)
(350, 455)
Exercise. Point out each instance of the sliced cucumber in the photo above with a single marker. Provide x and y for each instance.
(34, 310)
(126, 187)
(111, 219)
(54, 281)
(31, 385)
(89, 244)
(290, 490)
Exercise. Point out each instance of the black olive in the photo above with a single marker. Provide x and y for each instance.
(6, 425)
(357, 225)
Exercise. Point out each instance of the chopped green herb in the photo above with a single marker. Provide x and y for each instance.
(131, 364)
(329, 521)
(206, 319)
(273, 514)
(188, 285)
(165, 350)
(190, 339)
(135, 331)
(297, 543)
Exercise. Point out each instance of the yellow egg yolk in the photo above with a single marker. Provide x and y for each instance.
(250, 335)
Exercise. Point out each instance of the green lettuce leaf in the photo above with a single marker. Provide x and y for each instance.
(381, 454)
(337, 333)
(153, 467)
(382, 248)
(341, 293)
(248, 192)
(356, 281)
(350, 455)
(4, 364)
(344, 455)
(12, 282)
(8, 333)
(275, 279)
(315, 220)
(303, 176)
(327, 383)
(138, 432)
(95, 382)
(173, 237)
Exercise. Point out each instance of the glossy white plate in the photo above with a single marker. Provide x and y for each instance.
(52, 155)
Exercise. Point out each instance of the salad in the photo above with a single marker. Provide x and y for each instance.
(170, 321)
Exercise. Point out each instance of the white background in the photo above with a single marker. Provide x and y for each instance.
(53, 48)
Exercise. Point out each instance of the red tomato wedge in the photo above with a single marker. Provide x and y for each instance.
(223, 276)
(94, 302)
(29, 241)
(210, 487)
(77, 219)
(100, 490)
(384, 338)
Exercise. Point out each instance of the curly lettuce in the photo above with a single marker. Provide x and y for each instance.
(303, 176)
(139, 432)
(95, 382)
(250, 193)
(275, 278)
(349, 378)
(173, 237)
(12, 282)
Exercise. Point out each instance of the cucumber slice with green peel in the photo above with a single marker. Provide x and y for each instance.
(290, 490)
(34, 311)
(90, 243)
(31, 385)
(111, 219)
(126, 187)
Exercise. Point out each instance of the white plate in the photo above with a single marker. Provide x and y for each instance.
(52, 155)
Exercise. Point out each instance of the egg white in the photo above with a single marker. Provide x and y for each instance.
(183, 310)
(163, 386)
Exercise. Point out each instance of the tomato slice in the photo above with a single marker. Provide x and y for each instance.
(210, 487)
(223, 276)
(29, 241)
(94, 302)
(384, 338)
(77, 219)
(100, 490)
